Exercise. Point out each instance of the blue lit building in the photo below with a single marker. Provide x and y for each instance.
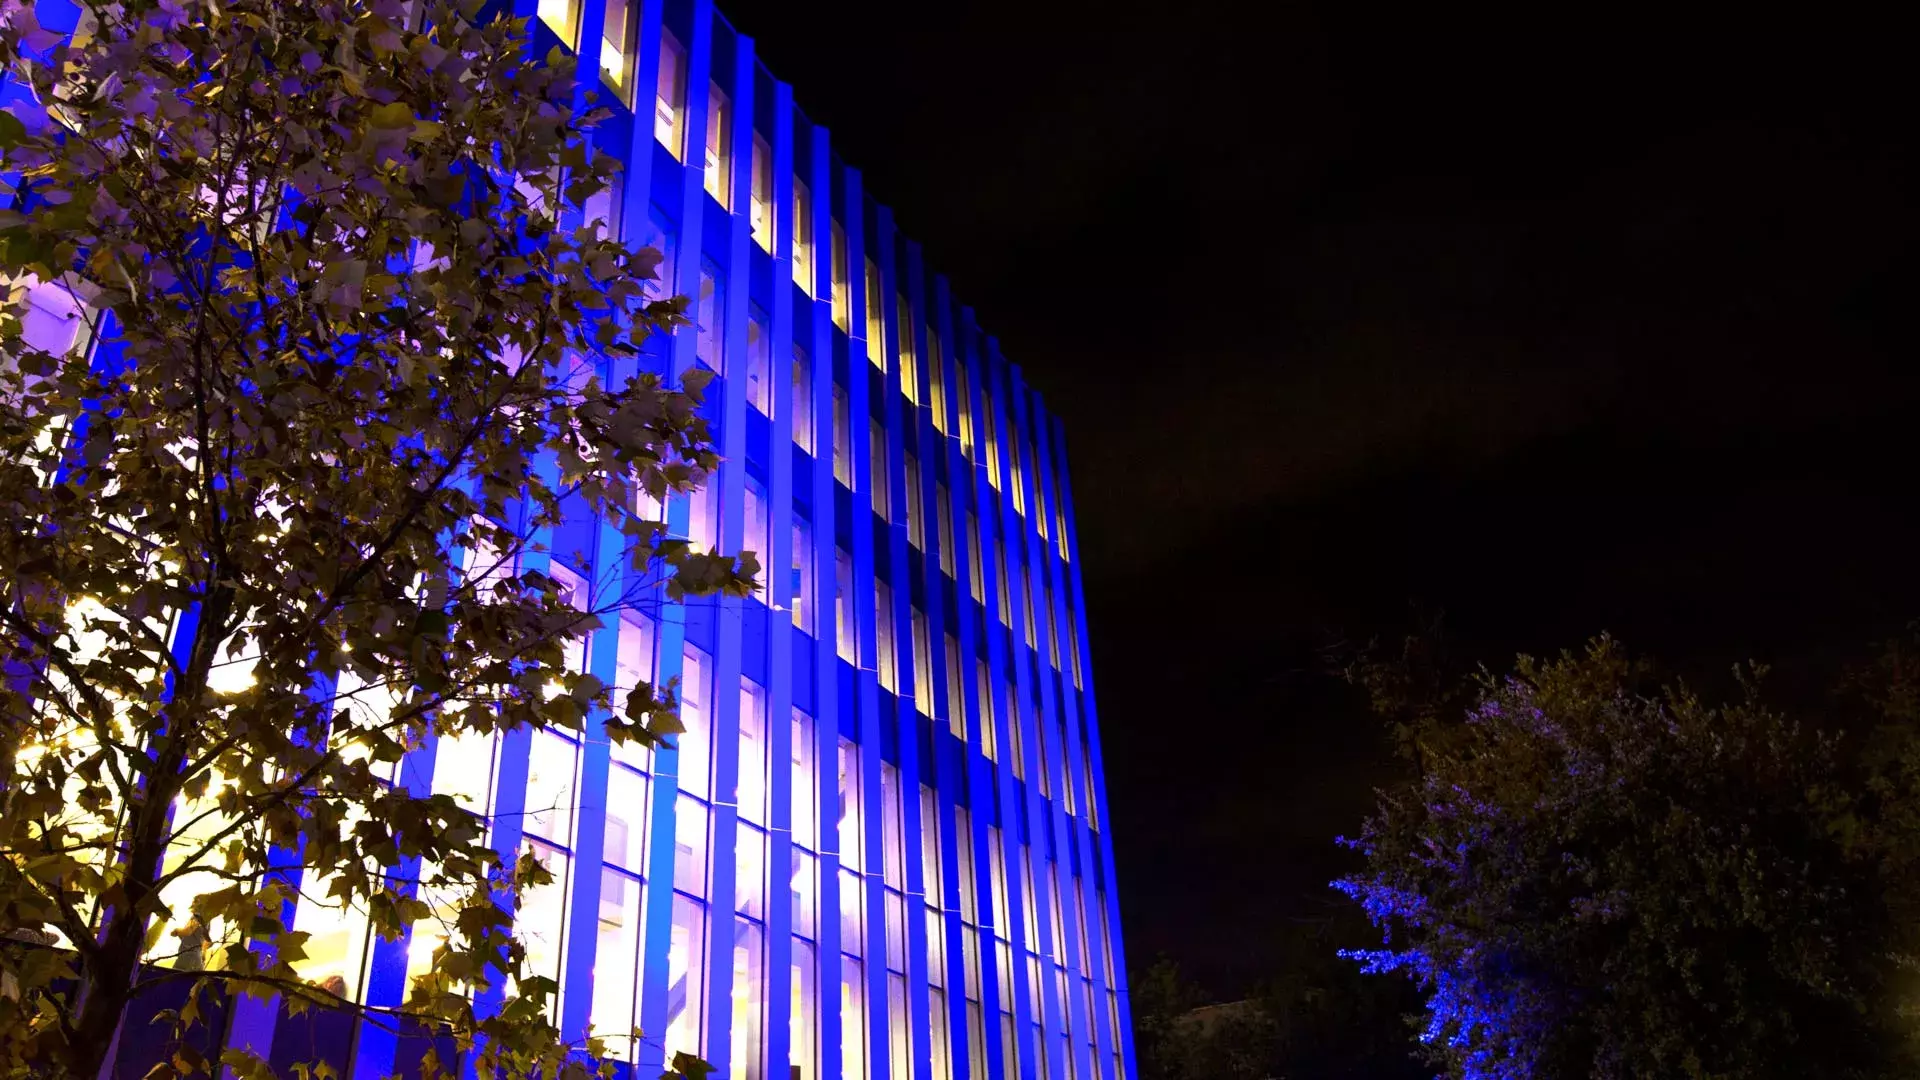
(880, 850)
(917, 673)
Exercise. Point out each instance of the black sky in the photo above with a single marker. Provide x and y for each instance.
(1557, 320)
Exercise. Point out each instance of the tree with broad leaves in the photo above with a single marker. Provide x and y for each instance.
(359, 334)
(1596, 878)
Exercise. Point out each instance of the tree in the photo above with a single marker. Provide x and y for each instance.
(1592, 879)
(361, 337)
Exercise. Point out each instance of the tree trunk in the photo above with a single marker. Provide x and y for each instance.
(110, 974)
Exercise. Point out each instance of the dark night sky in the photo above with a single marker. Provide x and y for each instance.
(1556, 320)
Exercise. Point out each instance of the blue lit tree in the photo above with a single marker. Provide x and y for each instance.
(1589, 879)
(354, 315)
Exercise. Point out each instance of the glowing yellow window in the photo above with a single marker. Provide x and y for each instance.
(719, 159)
(936, 381)
(1019, 475)
(670, 96)
(802, 237)
(760, 202)
(909, 373)
(961, 388)
(989, 439)
(616, 50)
(563, 18)
(876, 319)
(842, 303)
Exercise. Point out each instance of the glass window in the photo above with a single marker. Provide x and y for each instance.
(802, 237)
(541, 918)
(1029, 914)
(853, 914)
(936, 929)
(463, 767)
(751, 789)
(806, 795)
(956, 701)
(970, 962)
(983, 687)
(877, 461)
(616, 50)
(1014, 726)
(849, 825)
(760, 202)
(806, 892)
(626, 819)
(801, 1049)
(909, 370)
(1026, 605)
(759, 363)
(550, 786)
(1000, 583)
(750, 872)
(1017, 445)
(936, 380)
(1080, 922)
(963, 867)
(1073, 648)
(632, 667)
(756, 535)
(943, 520)
(937, 1032)
(660, 237)
(997, 882)
(709, 314)
(670, 96)
(876, 319)
(930, 884)
(337, 945)
(842, 438)
(1047, 623)
(719, 157)
(915, 530)
(977, 1041)
(802, 400)
(894, 909)
(963, 390)
(842, 300)
(801, 598)
(884, 661)
(694, 742)
(846, 639)
(990, 446)
(900, 1062)
(563, 18)
(686, 976)
(853, 1020)
(690, 846)
(602, 210)
(1106, 936)
(616, 968)
(1093, 806)
(922, 664)
(893, 865)
(749, 991)
(702, 528)
(973, 558)
(1056, 914)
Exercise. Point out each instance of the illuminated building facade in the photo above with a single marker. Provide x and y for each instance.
(880, 849)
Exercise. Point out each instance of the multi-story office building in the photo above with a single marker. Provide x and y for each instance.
(879, 850)
(908, 773)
